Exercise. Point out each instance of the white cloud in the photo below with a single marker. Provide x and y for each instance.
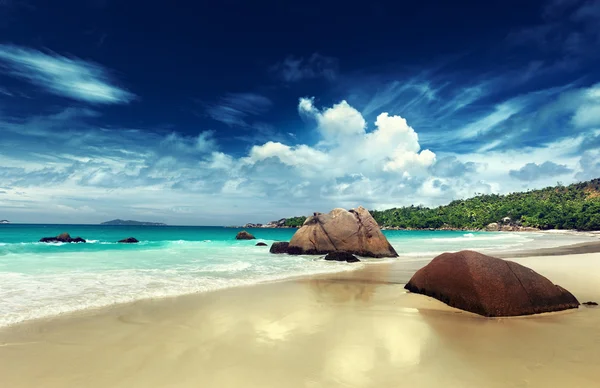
(68, 77)
(588, 112)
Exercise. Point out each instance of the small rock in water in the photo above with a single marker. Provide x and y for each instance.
(129, 240)
(590, 303)
(342, 256)
(261, 244)
(279, 247)
(64, 238)
(243, 235)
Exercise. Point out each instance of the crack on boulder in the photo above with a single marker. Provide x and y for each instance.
(521, 283)
(328, 237)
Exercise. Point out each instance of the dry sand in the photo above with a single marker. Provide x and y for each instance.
(358, 329)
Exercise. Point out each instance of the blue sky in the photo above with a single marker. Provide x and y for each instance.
(220, 114)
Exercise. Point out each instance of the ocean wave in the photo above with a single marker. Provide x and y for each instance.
(26, 297)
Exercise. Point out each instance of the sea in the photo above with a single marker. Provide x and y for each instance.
(41, 280)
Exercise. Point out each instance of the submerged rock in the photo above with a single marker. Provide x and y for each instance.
(261, 244)
(63, 237)
(279, 247)
(129, 240)
(590, 303)
(342, 256)
(243, 235)
(354, 231)
(489, 286)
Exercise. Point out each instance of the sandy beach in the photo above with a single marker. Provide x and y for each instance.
(352, 329)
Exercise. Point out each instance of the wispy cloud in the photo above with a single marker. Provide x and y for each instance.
(295, 69)
(68, 77)
(234, 109)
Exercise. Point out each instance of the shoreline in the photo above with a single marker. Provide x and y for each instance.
(352, 328)
(364, 265)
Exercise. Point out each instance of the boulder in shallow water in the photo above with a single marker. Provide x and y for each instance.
(64, 238)
(261, 244)
(354, 231)
(243, 235)
(279, 247)
(489, 286)
(590, 304)
(129, 240)
(342, 256)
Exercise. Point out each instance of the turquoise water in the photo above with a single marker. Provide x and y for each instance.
(38, 280)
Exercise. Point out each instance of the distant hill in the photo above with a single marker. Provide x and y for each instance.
(132, 223)
(576, 206)
(4, 222)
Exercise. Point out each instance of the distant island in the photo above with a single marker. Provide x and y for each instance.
(132, 223)
(576, 206)
(4, 222)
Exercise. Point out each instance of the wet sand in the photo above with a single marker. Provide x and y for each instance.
(353, 329)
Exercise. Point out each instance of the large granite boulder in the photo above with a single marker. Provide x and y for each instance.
(489, 286)
(353, 231)
(63, 238)
(243, 235)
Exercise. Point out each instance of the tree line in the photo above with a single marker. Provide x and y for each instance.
(576, 206)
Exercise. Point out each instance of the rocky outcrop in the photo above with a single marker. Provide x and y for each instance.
(243, 235)
(508, 225)
(493, 227)
(129, 240)
(62, 238)
(261, 244)
(489, 286)
(590, 304)
(279, 247)
(342, 256)
(271, 224)
(354, 231)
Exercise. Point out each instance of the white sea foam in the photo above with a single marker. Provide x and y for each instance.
(99, 282)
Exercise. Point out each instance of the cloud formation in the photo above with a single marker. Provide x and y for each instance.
(95, 173)
(533, 171)
(67, 77)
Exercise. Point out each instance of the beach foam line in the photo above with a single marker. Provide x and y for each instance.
(27, 297)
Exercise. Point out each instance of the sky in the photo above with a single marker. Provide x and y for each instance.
(223, 113)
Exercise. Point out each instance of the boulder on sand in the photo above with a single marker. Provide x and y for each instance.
(279, 247)
(129, 240)
(489, 286)
(341, 256)
(63, 237)
(353, 231)
(243, 235)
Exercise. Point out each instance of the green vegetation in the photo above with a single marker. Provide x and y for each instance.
(561, 207)
(295, 222)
